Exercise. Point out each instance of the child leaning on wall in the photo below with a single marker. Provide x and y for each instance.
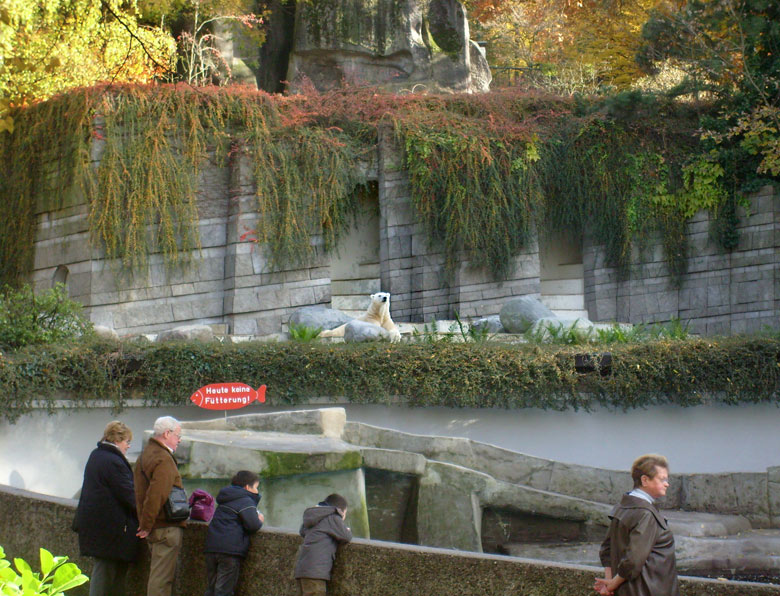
(227, 540)
(322, 529)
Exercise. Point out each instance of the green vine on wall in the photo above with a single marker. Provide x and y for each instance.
(486, 171)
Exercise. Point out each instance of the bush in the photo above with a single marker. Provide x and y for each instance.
(683, 372)
(27, 319)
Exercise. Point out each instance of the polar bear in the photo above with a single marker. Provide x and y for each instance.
(378, 313)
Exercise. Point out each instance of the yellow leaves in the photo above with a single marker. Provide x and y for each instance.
(53, 64)
(50, 46)
(7, 124)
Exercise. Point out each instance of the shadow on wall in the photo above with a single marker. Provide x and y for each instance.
(29, 521)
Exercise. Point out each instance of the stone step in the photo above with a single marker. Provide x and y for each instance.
(694, 523)
(564, 301)
(562, 286)
(355, 287)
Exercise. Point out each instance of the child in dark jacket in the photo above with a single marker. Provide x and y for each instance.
(322, 529)
(227, 540)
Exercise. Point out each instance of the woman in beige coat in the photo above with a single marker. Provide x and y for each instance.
(638, 552)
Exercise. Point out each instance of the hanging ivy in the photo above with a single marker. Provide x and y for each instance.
(486, 171)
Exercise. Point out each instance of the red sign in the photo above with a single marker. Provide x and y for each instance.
(227, 396)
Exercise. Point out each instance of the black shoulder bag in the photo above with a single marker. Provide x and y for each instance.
(177, 507)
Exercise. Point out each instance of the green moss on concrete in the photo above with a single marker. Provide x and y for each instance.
(288, 464)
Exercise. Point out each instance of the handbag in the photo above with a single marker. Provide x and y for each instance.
(177, 507)
(201, 505)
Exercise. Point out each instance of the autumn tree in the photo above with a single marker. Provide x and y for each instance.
(580, 45)
(48, 46)
(202, 29)
(731, 50)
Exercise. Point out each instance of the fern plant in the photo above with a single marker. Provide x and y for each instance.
(304, 334)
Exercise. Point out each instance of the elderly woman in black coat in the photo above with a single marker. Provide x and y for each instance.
(105, 518)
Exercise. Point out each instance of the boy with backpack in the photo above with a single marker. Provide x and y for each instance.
(227, 540)
(322, 529)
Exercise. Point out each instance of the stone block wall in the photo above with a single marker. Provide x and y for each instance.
(722, 293)
(29, 521)
(413, 271)
(229, 281)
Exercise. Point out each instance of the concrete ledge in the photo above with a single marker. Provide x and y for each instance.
(324, 421)
(29, 521)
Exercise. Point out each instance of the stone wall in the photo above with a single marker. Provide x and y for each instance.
(722, 293)
(230, 284)
(412, 270)
(29, 521)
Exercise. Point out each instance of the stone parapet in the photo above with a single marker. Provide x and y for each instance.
(30, 521)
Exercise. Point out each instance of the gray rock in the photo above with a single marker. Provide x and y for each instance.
(491, 324)
(520, 313)
(187, 333)
(481, 76)
(358, 331)
(104, 332)
(319, 316)
(416, 44)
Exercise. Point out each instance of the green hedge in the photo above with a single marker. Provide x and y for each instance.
(731, 370)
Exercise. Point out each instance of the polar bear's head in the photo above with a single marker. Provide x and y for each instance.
(379, 308)
(380, 297)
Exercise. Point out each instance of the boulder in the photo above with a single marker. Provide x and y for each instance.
(491, 324)
(520, 313)
(104, 332)
(358, 331)
(319, 316)
(404, 45)
(481, 77)
(187, 333)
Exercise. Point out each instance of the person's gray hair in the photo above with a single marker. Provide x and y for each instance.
(164, 423)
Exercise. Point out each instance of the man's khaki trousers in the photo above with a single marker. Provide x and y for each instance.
(164, 545)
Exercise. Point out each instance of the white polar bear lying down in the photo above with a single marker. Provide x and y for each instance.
(378, 313)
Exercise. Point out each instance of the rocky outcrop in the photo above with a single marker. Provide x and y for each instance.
(401, 44)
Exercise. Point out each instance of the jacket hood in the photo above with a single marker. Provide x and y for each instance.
(234, 493)
(314, 515)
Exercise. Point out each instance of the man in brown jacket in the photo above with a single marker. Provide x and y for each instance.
(639, 547)
(155, 474)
